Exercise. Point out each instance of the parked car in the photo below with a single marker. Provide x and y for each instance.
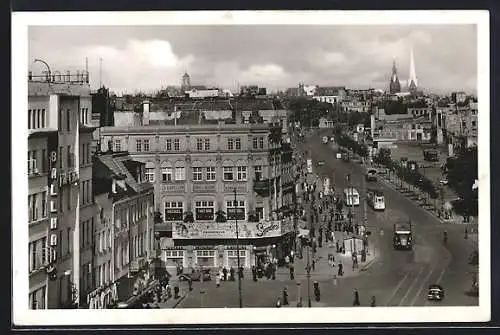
(435, 293)
(320, 163)
(195, 275)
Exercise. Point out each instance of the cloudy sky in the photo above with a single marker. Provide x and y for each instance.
(150, 57)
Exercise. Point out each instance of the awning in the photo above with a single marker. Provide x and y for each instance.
(303, 232)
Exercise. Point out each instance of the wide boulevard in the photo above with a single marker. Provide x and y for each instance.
(395, 278)
(400, 278)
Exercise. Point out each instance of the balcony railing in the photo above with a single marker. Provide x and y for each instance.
(177, 187)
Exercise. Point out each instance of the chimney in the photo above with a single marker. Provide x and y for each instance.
(77, 76)
(145, 112)
(30, 75)
(68, 76)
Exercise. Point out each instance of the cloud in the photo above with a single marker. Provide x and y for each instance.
(148, 58)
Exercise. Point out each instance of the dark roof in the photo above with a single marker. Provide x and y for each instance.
(117, 165)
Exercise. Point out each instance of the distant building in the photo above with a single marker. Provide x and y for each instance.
(458, 97)
(330, 94)
(194, 93)
(186, 82)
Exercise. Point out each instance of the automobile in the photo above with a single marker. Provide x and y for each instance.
(195, 275)
(435, 293)
(443, 181)
(320, 163)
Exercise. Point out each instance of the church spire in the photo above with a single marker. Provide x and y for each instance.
(412, 79)
(394, 85)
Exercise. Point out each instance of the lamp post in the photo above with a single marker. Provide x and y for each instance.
(237, 249)
(49, 75)
(308, 261)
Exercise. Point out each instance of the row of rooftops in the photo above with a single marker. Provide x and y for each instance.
(187, 128)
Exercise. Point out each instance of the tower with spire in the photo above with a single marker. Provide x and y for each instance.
(394, 85)
(412, 79)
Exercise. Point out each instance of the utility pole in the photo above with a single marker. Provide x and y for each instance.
(100, 72)
(237, 248)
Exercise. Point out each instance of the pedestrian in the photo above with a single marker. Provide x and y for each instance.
(278, 303)
(231, 273)
(217, 280)
(334, 280)
(299, 302)
(285, 296)
(356, 298)
(240, 272)
(337, 246)
(287, 260)
(224, 273)
(176, 292)
(254, 273)
(341, 270)
(373, 303)
(313, 264)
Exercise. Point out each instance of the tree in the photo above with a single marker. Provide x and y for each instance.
(383, 157)
(462, 175)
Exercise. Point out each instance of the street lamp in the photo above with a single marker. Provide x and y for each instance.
(48, 68)
(237, 248)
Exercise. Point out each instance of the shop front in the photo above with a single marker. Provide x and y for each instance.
(213, 245)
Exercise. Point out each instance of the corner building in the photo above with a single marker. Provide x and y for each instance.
(60, 205)
(206, 178)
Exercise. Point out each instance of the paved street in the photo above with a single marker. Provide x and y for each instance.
(395, 278)
(401, 278)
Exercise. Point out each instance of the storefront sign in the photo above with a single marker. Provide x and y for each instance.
(173, 214)
(216, 230)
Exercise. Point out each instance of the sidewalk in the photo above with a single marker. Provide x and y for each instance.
(183, 293)
(422, 199)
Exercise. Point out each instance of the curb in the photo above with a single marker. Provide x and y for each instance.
(390, 185)
(369, 263)
(179, 300)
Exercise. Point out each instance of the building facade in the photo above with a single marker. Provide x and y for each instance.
(206, 173)
(60, 170)
(124, 228)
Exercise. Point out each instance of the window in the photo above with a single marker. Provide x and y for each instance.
(255, 143)
(230, 144)
(166, 174)
(207, 144)
(150, 175)
(44, 160)
(197, 175)
(88, 153)
(238, 144)
(146, 145)
(205, 253)
(180, 173)
(29, 119)
(69, 198)
(138, 145)
(258, 172)
(37, 254)
(211, 173)
(44, 204)
(174, 253)
(39, 117)
(204, 210)
(68, 158)
(68, 120)
(32, 166)
(34, 209)
(60, 158)
(241, 173)
(235, 210)
(118, 145)
(173, 211)
(228, 173)
(474, 124)
(168, 144)
(199, 144)
(176, 144)
(61, 197)
(261, 142)
(70, 239)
